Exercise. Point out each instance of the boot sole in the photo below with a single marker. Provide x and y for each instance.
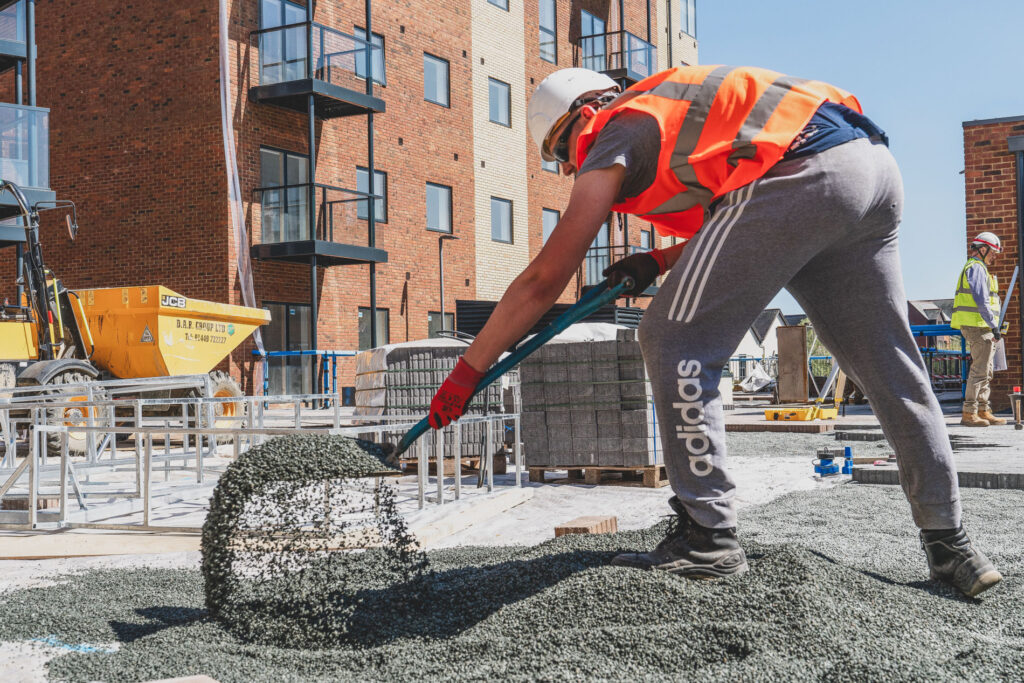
(980, 585)
(973, 424)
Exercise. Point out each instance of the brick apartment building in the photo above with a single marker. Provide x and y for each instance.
(994, 180)
(135, 140)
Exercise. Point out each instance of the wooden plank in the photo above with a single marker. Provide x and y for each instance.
(792, 382)
(590, 524)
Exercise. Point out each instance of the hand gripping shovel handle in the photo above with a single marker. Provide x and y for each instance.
(595, 298)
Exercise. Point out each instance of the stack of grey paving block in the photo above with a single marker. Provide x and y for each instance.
(401, 379)
(589, 404)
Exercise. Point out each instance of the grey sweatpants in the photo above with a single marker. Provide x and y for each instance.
(825, 228)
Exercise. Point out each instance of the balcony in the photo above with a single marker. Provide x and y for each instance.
(340, 236)
(12, 34)
(624, 57)
(303, 59)
(24, 160)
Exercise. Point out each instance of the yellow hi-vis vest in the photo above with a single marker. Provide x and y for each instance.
(965, 308)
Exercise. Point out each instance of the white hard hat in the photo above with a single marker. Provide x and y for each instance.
(554, 99)
(988, 239)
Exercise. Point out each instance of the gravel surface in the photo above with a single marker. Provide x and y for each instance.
(837, 592)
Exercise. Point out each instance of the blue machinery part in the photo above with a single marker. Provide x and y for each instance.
(825, 464)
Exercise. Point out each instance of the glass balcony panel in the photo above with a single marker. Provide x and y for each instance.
(617, 50)
(25, 145)
(12, 22)
(338, 58)
(284, 214)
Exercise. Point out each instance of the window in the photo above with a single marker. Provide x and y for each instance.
(549, 219)
(435, 80)
(501, 220)
(593, 48)
(439, 207)
(499, 98)
(645, 240)
(284, 201)
(549, 166)
(688, 16)
(598, 256)
(548, 32)
(434, 323)
(377, 56)
(288, 330)
(380, 187)
(503, 4)
(283, 52)
(383, 335)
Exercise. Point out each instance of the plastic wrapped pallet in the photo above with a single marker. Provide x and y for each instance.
(401, 379)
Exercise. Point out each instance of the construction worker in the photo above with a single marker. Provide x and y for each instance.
(976, 315)
(776, 182)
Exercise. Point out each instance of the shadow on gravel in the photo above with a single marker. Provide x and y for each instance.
(158, 618)
(441, 604)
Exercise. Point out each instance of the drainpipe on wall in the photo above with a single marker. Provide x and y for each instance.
(1016, 145)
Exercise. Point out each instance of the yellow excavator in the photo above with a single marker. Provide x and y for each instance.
(54, 335)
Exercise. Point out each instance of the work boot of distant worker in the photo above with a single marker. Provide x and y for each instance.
(954, 560)
(971, 419)
(987, 416)
(691, 550)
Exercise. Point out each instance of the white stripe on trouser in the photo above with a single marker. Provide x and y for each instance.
(709, 244)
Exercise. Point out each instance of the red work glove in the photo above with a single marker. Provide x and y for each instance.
(451, 399)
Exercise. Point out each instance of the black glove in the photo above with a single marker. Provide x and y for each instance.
(996, 333)
(643, 268)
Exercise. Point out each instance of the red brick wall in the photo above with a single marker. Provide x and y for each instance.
(990, 183)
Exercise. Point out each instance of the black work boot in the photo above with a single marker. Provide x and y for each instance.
(955, 561)
(691, 550)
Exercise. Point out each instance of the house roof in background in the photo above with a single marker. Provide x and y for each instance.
(764, 321)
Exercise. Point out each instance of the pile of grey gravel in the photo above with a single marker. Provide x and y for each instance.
(837, 591)
(300, 536)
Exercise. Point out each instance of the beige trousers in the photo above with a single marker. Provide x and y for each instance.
(981, 343)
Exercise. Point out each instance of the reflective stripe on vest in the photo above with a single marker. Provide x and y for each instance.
(965, 309)
(722, 127)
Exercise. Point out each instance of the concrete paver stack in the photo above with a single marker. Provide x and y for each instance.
(589, 404)
(401, 379)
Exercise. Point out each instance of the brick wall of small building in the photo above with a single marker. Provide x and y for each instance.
(990, 184)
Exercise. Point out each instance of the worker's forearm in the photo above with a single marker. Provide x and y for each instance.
(672, 254)
(526, 300)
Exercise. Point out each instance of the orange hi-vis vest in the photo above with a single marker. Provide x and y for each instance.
(722, 127)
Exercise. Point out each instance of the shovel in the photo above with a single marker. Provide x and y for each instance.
(595, 298)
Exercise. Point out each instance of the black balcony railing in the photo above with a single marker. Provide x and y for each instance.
(599, 258)
(285, 214)
(621, 54)
(337, 58)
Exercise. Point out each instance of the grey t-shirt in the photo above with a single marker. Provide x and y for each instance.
(631, 139)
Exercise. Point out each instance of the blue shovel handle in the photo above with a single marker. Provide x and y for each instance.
(595, 298)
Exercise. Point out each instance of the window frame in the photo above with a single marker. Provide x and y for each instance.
(383, 80)
(287, 366)
(447, 315)
(447, 80)
(378, 215)
(500, 4)
(554, 166)
(386, 337)
(301, 209)
(511, 230)
(688, 17)
(543, 231)
(552, 31)
(649, 234)
(441, 231)
(508, 101)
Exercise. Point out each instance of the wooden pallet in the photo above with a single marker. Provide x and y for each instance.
(649, 476)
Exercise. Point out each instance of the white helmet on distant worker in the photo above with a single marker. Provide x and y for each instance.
(556, 97)
(988, 239)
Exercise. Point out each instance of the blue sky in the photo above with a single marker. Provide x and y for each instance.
(918, 68)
